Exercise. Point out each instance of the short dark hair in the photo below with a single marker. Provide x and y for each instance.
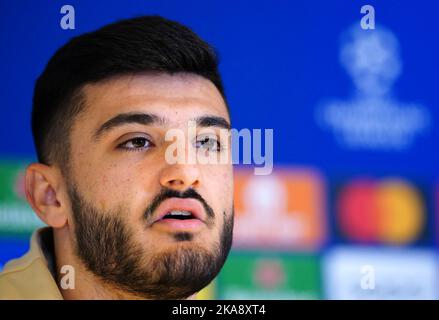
(132, 46)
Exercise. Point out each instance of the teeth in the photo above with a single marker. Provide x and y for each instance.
(179, 213)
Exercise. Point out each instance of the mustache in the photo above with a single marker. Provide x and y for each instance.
(166, 193)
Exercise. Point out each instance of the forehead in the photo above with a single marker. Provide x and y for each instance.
(177, 97)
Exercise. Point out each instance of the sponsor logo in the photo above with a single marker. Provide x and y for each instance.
(283, 210)
(388, 211)
(381, 273)
(266, 276)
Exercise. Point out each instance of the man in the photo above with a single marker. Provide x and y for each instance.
(124, 221)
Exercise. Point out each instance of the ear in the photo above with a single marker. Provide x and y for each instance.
(44, 194)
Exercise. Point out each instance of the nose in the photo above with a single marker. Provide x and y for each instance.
(180, 177)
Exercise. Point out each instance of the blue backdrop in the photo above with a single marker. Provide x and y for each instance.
(304, 68)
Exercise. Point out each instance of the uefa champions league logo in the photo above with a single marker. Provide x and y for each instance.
(372, 118)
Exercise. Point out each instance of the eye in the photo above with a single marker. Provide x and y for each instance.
(208, 143)
(136, 144)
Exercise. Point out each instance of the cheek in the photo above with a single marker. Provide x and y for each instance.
(114, 185)
(219, 185)
(227, 184)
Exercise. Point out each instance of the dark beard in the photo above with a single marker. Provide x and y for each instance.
(106, 247)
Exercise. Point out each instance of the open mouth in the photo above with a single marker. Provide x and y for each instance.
(179, 220)
(179, 215)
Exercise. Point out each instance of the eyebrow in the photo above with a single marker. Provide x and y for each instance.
(128, 118)
(212, 121)
(149, 119)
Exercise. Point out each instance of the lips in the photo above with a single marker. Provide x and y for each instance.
(163, 214)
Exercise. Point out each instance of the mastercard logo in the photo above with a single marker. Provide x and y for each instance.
(389, 211)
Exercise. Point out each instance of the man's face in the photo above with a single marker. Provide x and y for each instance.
(123, 187)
